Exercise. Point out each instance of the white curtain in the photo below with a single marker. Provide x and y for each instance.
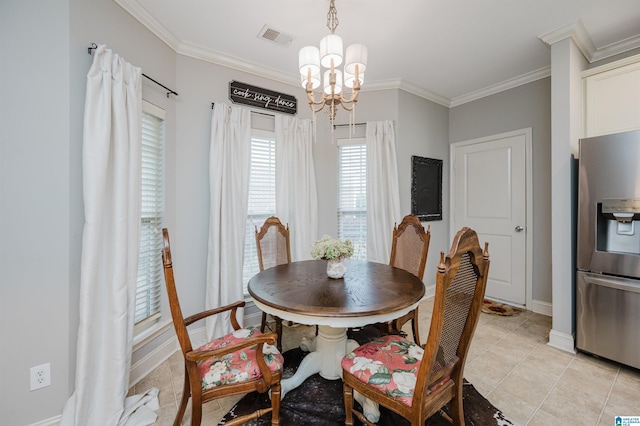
(383, 199)
(229, 162)
(296, 194)
(111, 167)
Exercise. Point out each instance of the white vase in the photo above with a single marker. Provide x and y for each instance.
(336, 268)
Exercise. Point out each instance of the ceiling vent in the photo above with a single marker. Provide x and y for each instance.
(278, 37)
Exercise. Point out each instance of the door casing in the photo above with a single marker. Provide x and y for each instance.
(528, 220)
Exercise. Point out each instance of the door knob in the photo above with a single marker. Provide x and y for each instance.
(519, 228)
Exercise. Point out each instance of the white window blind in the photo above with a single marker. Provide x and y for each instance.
(352, 194)
(150, 269)
(262, 197)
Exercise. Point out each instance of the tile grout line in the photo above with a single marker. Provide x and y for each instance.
(173, 385)
(606, 401)
(521, 359)
(541, 342)
(550, 390)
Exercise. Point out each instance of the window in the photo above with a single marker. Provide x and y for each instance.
(147, 309)
(352, 194)
(262, 197)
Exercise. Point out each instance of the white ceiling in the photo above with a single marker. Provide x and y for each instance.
(449, 51)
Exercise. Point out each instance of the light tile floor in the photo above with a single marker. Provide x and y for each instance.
(509, 363)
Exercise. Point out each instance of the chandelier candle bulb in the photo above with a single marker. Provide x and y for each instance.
(315, 81)
(333, 82)
(349, 79)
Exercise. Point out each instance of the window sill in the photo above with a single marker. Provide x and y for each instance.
(150, 333)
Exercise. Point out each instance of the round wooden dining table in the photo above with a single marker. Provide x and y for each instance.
(302, 292)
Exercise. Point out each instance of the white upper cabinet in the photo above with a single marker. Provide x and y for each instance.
(612, 97)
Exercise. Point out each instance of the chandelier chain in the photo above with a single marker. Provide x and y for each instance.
(332, 17)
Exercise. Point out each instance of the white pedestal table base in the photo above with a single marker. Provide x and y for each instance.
(331, 345)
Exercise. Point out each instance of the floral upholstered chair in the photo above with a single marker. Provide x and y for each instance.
(240, 362)
(415, 382)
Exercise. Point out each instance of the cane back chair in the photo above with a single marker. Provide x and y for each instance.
(409, 251)
(415, 382)
(240, 362)
(272, 244)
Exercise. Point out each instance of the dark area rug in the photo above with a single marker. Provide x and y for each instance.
(319, 402)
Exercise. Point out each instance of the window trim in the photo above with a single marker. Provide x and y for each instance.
(270, 136)
(346, 142)
(151, 324)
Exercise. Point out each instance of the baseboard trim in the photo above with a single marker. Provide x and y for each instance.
(544, 308)
(53, 421)
(429, 291)
(146, 365)
(253, 319)
(562, 341)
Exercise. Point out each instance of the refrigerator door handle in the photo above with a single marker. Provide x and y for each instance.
(611, 283)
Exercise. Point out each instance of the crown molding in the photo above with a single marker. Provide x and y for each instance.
(502, 86)
(617, 48)
(398, 83)
(424, 93)
(577, 32)
(240, 64)
(139, 13)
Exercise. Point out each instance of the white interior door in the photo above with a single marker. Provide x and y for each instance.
(489, 193)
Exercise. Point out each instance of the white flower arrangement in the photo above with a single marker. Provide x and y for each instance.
(331, 248)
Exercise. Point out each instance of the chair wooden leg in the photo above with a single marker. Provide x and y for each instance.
(348, 405)
(196, 408)
(457, 411)
(263, 322)
(275, 404)
(415, 327)
(186, 393)
(279, 333)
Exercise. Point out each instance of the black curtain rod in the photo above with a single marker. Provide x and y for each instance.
(213, 104)
(169, 91)
(345, 125)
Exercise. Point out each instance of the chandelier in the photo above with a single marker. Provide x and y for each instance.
(334, 81)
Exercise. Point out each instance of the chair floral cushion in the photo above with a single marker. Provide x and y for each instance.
(389, 364)
(239, 366)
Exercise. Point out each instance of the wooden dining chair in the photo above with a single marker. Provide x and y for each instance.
(415, 382)
(240, 362)
(409, 250)
(272, 243)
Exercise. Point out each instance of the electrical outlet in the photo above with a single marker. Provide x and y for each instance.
(40, 376)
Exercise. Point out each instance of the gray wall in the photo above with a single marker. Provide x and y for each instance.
(43, 46)
(521, 107)
(423, 131)
(34, 206)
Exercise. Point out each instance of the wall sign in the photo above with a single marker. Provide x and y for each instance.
(426, 188)
(245, 94)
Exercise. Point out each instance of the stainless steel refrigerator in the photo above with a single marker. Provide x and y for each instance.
(608, 248)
